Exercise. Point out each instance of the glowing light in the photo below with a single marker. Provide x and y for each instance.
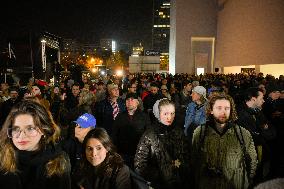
(94, 70)
(103, 72)
(119, 72)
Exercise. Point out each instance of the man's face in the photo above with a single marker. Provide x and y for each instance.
(221, 111)
(131, 104)
(132, 88)
(80, 132)
(282, 94)
(238, 83)
(114, 92)
(116, 81)
(258, 101)
(85, 80)
(262, 87)
(4, 86)
(36, 91)
(75, 90)
(13, 94)
(188, 87)
(100, 87)
(62, 85)
(154, 90)
(275, 95)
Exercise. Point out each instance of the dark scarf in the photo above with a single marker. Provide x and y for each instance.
(31, 164)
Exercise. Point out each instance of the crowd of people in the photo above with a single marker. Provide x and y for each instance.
(175, 131)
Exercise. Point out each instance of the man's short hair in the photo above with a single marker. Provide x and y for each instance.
(101, 83)
(76, 84)
(16, 89)
(154, 84)
(185, 83)
(251, 92)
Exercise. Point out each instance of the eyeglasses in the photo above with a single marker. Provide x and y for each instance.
(15, 132)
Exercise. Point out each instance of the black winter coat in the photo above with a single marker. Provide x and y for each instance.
(107, 175)
(32, 172)
(162, 157)
(127, 131)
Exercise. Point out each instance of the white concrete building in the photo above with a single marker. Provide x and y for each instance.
(227, 36)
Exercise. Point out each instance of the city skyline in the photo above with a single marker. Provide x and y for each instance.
(87, 21)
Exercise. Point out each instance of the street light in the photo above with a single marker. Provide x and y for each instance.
(43, 57)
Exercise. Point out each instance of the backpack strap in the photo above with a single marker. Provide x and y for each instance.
(246, 161)
(202, 135)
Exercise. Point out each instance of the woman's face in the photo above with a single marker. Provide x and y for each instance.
(25, 135)
(167, 114)
(95, 152)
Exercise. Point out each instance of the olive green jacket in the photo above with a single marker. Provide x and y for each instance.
(218, 159)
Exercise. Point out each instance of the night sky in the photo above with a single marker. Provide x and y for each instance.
(84, 20)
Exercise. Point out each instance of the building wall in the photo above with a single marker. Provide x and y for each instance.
(144, 64)
(189, 18)
(250, 33)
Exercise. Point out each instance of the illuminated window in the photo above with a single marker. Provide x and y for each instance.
(200, 71)
(161, 13)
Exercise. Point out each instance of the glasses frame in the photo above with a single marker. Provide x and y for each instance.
(10, 135)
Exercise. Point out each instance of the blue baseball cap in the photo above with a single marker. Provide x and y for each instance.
(86, 120)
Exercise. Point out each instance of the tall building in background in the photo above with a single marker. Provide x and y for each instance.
(106, 44)
(161, 29)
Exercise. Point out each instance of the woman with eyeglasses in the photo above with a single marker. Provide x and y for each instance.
(29, 156)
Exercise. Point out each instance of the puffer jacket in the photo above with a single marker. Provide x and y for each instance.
(162, 156)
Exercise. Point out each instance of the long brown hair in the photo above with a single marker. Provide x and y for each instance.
(42, 119)
(113, 160)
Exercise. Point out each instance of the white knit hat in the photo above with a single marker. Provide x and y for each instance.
(156, 110)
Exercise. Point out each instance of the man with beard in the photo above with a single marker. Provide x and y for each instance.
(223, 153)
(150, 100)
